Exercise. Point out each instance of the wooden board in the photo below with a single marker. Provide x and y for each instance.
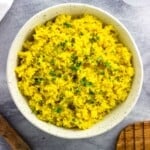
(11, 136)
(135, 137)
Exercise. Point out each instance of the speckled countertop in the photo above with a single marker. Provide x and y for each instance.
(136, 19)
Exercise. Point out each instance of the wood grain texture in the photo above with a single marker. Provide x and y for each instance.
(135, 137)
(11, 136)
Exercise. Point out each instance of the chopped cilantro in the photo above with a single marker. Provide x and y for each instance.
(75, 67)
(94, 38)
(40, 102)
(38, 80)
(90, 101)
(107, 64)
(33, 109)
(85, 82)
(65, 77)
(77, 91)
(58, 109)
(78, 64)
(63, 44)
(116, 70)
(52, 73)
(68, 25)
(102, 72)
(54, 78)
(74, 58)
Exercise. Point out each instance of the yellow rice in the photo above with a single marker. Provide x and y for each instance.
(74, 70)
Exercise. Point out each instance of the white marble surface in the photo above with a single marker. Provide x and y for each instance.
(136, 19)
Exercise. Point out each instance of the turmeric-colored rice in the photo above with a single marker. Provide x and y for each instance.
(74, 70)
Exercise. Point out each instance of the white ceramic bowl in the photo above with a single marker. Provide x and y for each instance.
(112, 119)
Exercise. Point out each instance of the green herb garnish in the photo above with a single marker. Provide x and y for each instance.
(58, 109)
(75, 67)
(38, 80)
(77, 91)
(74, 58)
(78, 64)
(52, 73)
(94, 38)
(63, 44)
(85, 82)
(53, 79)
(68, 25)
(65, 77)
(102, 72)
(40, 102)
(90, 101)
(107, 64)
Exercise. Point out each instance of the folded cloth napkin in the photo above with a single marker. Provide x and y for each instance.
(4, 7)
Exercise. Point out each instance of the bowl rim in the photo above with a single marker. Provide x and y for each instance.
(10, 86)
